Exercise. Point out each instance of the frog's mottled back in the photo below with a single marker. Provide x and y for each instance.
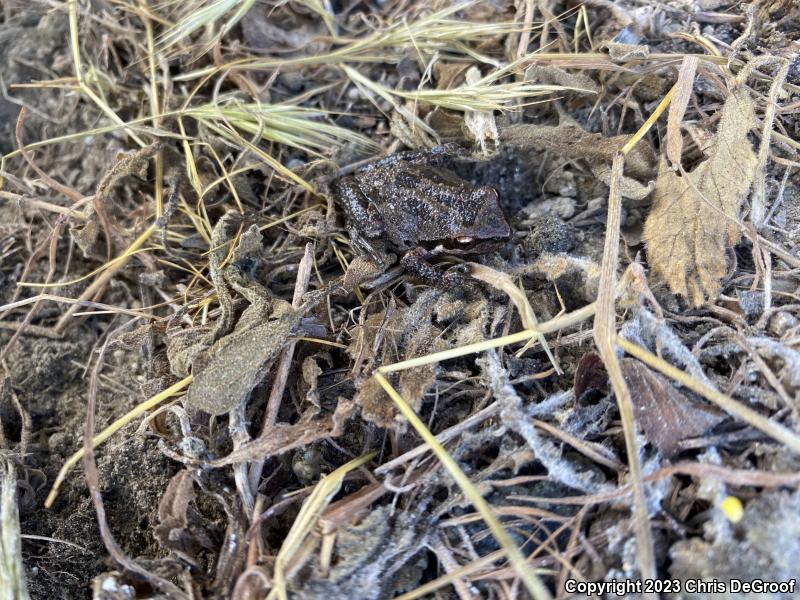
(403, 203)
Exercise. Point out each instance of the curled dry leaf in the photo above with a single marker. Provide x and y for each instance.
(551, 75)
(693, 218)
(625, 52)
(569, 140)
(311, 372)
(412, 384)
(175, 530)
(282, 438)
(665, 415)
(590, 376)
(360, 270)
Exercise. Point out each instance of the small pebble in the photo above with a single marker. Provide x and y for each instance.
(550, 234)
(752, 303)
(58, 443)
(780, 323)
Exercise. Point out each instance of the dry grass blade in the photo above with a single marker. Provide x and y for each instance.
(271, 131)
(80, 76)
(12, 571)
(450, 578)
(521, 566)
(555, 324)
(286, 124)
(503, 282)
(110, 269)
(482, 96)
(437, 33)
(307, 519)
(604, 335)
(198, 18)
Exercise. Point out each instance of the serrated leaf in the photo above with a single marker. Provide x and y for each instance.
(693, 218)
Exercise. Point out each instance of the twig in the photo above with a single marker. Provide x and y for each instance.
(284, 365)
(69, 192)
(604, 336)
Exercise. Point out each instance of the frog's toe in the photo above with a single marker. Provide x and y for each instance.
(361, 269)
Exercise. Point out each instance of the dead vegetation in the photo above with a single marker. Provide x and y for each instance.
(258, 411)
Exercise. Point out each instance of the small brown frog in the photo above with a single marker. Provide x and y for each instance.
(408, 203)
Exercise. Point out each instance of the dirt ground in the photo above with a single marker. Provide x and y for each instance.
(539, 433)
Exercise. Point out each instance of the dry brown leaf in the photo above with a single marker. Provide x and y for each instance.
(625, 52)
(282, 438)
(550, 75)
(447, 74)
(239, 361)
(570, 140)
(311, 372)
(408, 334)
(175, 530)
(590, 376)
(693, 218)
(376, 406)
(665, 415)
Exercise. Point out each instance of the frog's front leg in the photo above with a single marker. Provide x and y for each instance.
(415, 261)
(360, 213)
(364, 223)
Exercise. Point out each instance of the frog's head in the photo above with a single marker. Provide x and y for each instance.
(489, 222)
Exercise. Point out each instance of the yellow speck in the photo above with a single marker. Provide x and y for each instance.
(733, 509)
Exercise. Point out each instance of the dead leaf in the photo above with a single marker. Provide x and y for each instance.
(665, 414)
(311, 372)
(447, 74)
(175, 530)
(406, 333)
(414, 383)
(550, 75)
(693, 218)
(625, 52)
(282, 438)
(238, 363)
(570, 140)
(590, 377)
(360, 270)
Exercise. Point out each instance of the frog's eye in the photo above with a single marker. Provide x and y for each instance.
(465, 239)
